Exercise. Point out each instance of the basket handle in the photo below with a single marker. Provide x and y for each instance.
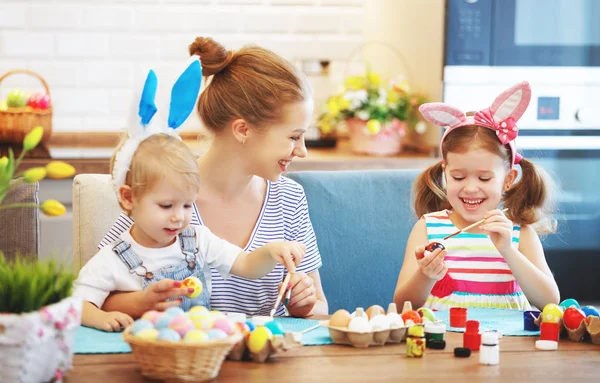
(391, 47)
(29, 72)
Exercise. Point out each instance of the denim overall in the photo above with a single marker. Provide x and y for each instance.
(188, 267)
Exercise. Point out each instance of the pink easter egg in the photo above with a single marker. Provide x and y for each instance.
(182, 324)
(152, 316)
(224, 324)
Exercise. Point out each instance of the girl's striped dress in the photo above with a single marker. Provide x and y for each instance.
(477, 274)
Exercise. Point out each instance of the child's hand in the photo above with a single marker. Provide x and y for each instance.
(113, 321)
(287, 253)
(432, 264)
(303, 296)
(156, 295)
(499, 229)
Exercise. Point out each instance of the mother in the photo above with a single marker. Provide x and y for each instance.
(258, 108)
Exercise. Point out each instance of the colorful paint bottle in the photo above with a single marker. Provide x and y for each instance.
(415, 342)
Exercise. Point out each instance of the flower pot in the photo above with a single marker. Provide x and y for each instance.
(387, 142)
(38, 346)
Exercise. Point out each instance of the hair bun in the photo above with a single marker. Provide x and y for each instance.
(213, 56)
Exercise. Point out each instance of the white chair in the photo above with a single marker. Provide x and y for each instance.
(95, 209)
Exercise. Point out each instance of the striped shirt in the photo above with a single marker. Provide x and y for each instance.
(283, 216)
(478, 276)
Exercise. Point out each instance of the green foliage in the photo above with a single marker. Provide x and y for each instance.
(27, 286)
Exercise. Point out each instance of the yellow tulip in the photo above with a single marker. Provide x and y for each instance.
(373, 126)
(34, 175)
(374, 79)
(393, 97)
(33, 138)
(326, 127)
(355, 83)
(333, 106)
(59, 169)
(53, 208)
(3, 162)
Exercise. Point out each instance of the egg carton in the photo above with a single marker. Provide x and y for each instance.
(273, 346)
(341, 335)
(590, 326)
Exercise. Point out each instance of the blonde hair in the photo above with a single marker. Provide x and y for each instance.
(252, 83)
(158, 157)
(530, 201)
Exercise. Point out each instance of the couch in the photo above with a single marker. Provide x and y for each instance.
(362, 220)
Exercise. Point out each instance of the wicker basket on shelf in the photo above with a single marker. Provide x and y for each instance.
(15, 123)
(180, 361)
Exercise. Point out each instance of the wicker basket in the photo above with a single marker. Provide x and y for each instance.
(179, 361)
(15, 123)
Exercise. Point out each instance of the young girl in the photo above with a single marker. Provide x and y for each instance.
(157, 180)
(501, 263)
(257, 107)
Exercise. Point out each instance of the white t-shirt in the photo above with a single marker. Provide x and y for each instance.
(106, 272)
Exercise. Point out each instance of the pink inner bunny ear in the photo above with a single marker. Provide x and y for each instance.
(512, 102)
(442, 114)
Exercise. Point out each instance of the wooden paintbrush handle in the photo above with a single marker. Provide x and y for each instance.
(286, 281)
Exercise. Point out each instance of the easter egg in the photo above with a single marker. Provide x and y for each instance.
(199, 310)
(196, 336)
(225, 325)
(568, 303)
(182, 324)
(3, 105)
(551, 313)
(258, 339)
(139, 325)
(426, 312)
(174, 311)
(250, 325)
(412, 316)
(434, 245)
(243, 327)
(374, 311)
(163, 321)
(16, 98)
(193, 283)
(216, 333)
(169, 335)
(274, 327)
(573, 317)
(217, 314)
(202, 323)
(147, 334)
(380, 323)
(152, 315)
(340, 318)
(590, 310)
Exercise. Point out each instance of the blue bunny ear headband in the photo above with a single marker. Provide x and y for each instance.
(183, 98)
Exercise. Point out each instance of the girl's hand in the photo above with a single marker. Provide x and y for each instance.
(303, 296)
(432, 264)
(287, 253)
(112, 322)
(499, 229)
(156, 295)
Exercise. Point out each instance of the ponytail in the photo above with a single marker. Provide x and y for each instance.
(531, 200)
(428, 190)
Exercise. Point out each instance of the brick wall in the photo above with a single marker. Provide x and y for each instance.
(94, 53)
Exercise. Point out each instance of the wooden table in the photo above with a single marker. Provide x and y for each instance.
(519, 361)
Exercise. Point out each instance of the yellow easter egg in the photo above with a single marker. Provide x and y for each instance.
(148, 334)
(551, 313)
(196, 336)
(203, 323)
(258, 339)
(199, 310)
(194, 283)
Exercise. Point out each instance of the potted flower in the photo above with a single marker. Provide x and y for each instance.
(38, 316)
(377, 114)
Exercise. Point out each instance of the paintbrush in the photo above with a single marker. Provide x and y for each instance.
(470, 227)
(282, 291)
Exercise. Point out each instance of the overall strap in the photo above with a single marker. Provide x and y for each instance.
(127, 255)
(187, 241)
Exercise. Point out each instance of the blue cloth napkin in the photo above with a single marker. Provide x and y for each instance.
(91, 341)
(508, 322)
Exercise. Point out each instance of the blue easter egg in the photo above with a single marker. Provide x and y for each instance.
(169, 335)
(140, 325)
(250, 325)
(163, 321)
(274, 327)
(590, 310)
(568, 303)
(174, 311)
(215, 333)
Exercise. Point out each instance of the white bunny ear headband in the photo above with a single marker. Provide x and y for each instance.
(183, 98)
(501, 117)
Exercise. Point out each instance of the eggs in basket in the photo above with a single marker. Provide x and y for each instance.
(375, 326)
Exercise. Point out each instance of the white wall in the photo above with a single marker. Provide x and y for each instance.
(93, 53)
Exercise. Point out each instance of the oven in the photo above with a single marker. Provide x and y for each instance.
(555, 45)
